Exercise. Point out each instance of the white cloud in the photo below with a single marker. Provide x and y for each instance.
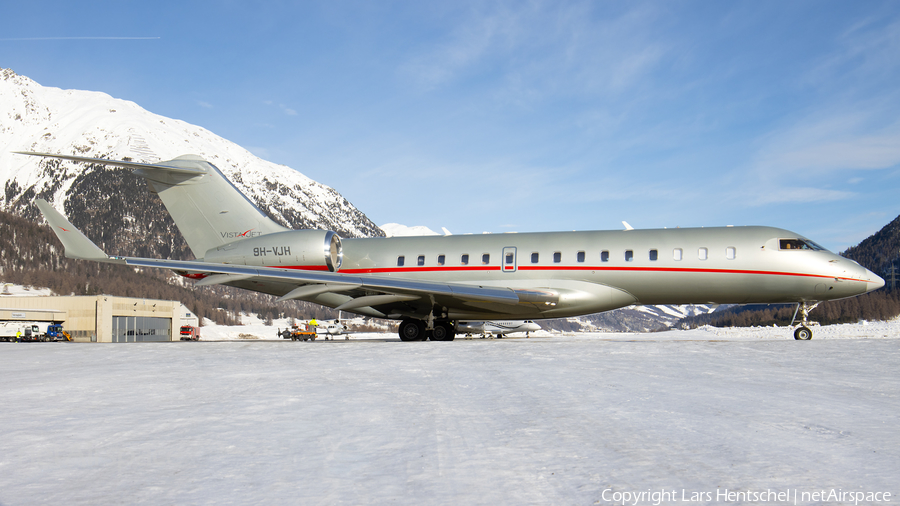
(544, 48)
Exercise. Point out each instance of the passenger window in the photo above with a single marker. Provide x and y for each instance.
(580, 256)
(485, 259)
(464, 260)
(440, 259)
(509, 259)
(400, 261)
(604, 256)
(653, 255)
(534, 258)
(702, 253)
(420, 261)
(557, 257)
(629, 255)
(730, 252)
(677, 253)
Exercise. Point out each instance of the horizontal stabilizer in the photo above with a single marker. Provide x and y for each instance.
(166, 166)
(76, 244)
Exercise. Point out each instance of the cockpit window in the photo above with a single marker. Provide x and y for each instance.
(799, 244)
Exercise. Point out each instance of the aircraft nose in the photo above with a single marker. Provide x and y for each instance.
(874, 281)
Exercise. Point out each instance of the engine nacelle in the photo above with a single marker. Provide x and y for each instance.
(318, 250)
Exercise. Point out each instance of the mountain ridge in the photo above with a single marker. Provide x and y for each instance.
(95, 125)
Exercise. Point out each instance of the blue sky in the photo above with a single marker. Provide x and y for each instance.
(520, 116)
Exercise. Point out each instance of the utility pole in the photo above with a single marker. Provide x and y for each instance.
(892, 276)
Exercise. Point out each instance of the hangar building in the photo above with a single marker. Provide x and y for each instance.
(102, 318)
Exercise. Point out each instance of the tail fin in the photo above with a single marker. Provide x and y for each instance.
(207, 209)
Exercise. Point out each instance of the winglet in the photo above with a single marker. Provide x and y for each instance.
(76, 244)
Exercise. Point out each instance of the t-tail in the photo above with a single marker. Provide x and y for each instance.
(206, 207)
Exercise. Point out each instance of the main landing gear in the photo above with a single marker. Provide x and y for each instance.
(803, 332)
(415, 330)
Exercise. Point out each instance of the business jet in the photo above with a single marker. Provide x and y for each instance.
(431, 283)
(497, 328)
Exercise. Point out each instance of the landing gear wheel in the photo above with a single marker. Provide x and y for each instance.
(412, 330)
(803, 334)
(442, 332)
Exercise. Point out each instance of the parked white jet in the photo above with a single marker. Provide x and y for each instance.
(429, 283)
(497, 328)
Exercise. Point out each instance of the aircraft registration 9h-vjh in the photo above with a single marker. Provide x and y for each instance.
(431, 283)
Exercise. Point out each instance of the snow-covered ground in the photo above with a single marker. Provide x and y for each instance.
(12, 290)
(577, 419)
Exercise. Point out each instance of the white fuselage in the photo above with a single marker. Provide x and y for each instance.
(589, 272)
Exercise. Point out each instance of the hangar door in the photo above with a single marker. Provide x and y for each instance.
(136, 329)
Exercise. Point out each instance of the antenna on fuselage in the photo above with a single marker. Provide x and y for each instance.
(627, 226)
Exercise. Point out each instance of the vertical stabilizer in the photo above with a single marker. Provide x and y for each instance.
(207, 209)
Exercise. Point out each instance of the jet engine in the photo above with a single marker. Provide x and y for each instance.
(318, 250)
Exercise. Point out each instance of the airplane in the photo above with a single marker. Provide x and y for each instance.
(497, 328)
(431, 283)
(328, 328)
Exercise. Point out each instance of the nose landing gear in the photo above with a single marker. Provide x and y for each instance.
(803, 332)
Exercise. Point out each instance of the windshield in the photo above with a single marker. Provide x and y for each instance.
(799, 244)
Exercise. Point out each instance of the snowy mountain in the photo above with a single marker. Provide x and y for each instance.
(398, 230)
(91, 124)
(629, 319)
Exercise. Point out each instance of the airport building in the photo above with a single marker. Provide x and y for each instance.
(102, 318)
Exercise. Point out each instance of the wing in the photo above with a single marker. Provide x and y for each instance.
(370, 295)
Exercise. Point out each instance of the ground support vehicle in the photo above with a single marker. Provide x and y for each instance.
(56, 333)
(190, 333)
(295, 333)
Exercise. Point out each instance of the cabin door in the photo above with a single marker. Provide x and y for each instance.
(509, 259)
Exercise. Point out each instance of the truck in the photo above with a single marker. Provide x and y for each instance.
(29, 331)
(56, 333)
(296, 333)
(190, 333)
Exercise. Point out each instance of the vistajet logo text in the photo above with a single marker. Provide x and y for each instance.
(240, 235)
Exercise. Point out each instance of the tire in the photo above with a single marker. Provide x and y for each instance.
(803, 334)
(412, 330)
(442, 332)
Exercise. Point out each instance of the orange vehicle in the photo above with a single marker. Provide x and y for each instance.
(296, 333)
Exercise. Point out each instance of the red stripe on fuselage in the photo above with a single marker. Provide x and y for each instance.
(487, 268)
